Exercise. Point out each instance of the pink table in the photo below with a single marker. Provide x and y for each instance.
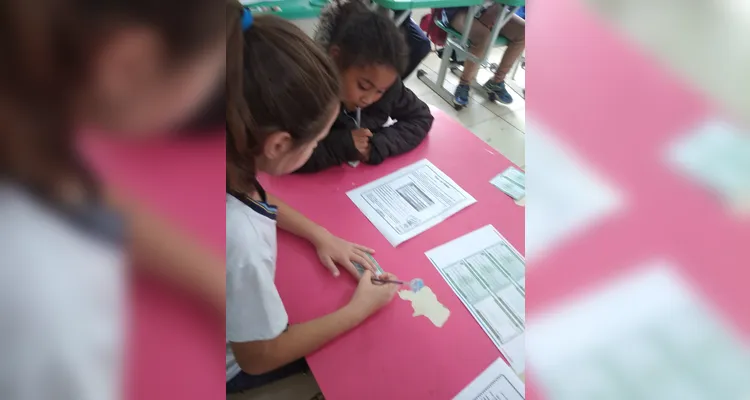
(175, 348)
(394, 355)
(618, 109)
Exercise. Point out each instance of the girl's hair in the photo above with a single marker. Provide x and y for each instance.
(278, 80)
(47, 48)
(365, 37)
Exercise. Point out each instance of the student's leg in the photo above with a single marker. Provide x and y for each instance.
(515, 31)
(245, 381)
(419, 46)
(478, 36)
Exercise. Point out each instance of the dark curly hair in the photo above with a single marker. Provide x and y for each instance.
(365, 37)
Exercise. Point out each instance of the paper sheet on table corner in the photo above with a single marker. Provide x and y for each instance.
(409, 201)
(498, 381)
(488, 275)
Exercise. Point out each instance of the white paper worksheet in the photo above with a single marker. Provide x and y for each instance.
(647, 334)
(716, 155)
(410, 201)
(497, 382)
(489, 276)
(568, 196)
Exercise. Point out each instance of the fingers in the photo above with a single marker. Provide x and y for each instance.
(362, 133)
(389, 276)
(367, 275)
(350, 267)
(361, 143)
(363, 260)
(363, 248)
(328, 262)
(360, 253)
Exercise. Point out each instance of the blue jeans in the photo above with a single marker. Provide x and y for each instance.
(419, 45)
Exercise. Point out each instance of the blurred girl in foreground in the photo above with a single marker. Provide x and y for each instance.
(124, 67)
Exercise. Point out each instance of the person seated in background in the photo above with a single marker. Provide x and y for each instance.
(370, 53)
(479, 37)
(419, 45)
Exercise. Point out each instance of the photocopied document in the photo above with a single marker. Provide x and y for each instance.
(489, 276)
(716, 156)
(664, 341)
(568, 197)
(512, 182)
(410, 201)
(497, 382)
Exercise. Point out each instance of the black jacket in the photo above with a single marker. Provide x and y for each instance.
(398, 102)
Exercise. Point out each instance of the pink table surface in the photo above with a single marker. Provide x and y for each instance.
(175, 347)
(394, 355)
(618, 108)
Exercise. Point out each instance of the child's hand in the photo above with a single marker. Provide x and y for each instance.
(372, 296)
(362, 142)
(333, 250)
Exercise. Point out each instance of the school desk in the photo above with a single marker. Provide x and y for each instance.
(175, 345)
(623, 134)
(287, 9)
(394, 355)
(389, 6)
(303, 13)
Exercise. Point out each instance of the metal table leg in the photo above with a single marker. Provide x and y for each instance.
(451, 46)
(511, 83)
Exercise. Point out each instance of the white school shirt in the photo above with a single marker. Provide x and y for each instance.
(254, 308)
(61, 300)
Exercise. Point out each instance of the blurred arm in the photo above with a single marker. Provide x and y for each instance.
(298, 341)
(294, 222)
(162, 250)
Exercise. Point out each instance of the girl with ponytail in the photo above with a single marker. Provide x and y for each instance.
(282, 97)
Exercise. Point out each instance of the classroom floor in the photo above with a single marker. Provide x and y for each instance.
(501, 126)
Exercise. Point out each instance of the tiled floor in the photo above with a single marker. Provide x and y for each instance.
(501, 126)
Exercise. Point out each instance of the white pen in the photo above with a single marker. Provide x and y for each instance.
(359, 116)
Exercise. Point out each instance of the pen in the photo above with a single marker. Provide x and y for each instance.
(359, 117)
(387, 281)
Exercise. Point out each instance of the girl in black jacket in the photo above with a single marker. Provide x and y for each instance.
(370, 53)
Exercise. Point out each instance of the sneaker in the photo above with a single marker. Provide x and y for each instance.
(454, 60)
(461, 96)
(497, 90)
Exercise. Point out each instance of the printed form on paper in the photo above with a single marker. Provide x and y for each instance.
(489, 276)
(410, 201)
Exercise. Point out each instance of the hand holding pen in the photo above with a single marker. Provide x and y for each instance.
(361, 139)
(372, 295)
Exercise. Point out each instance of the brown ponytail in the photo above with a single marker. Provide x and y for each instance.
(46, 49)
(278, 79)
